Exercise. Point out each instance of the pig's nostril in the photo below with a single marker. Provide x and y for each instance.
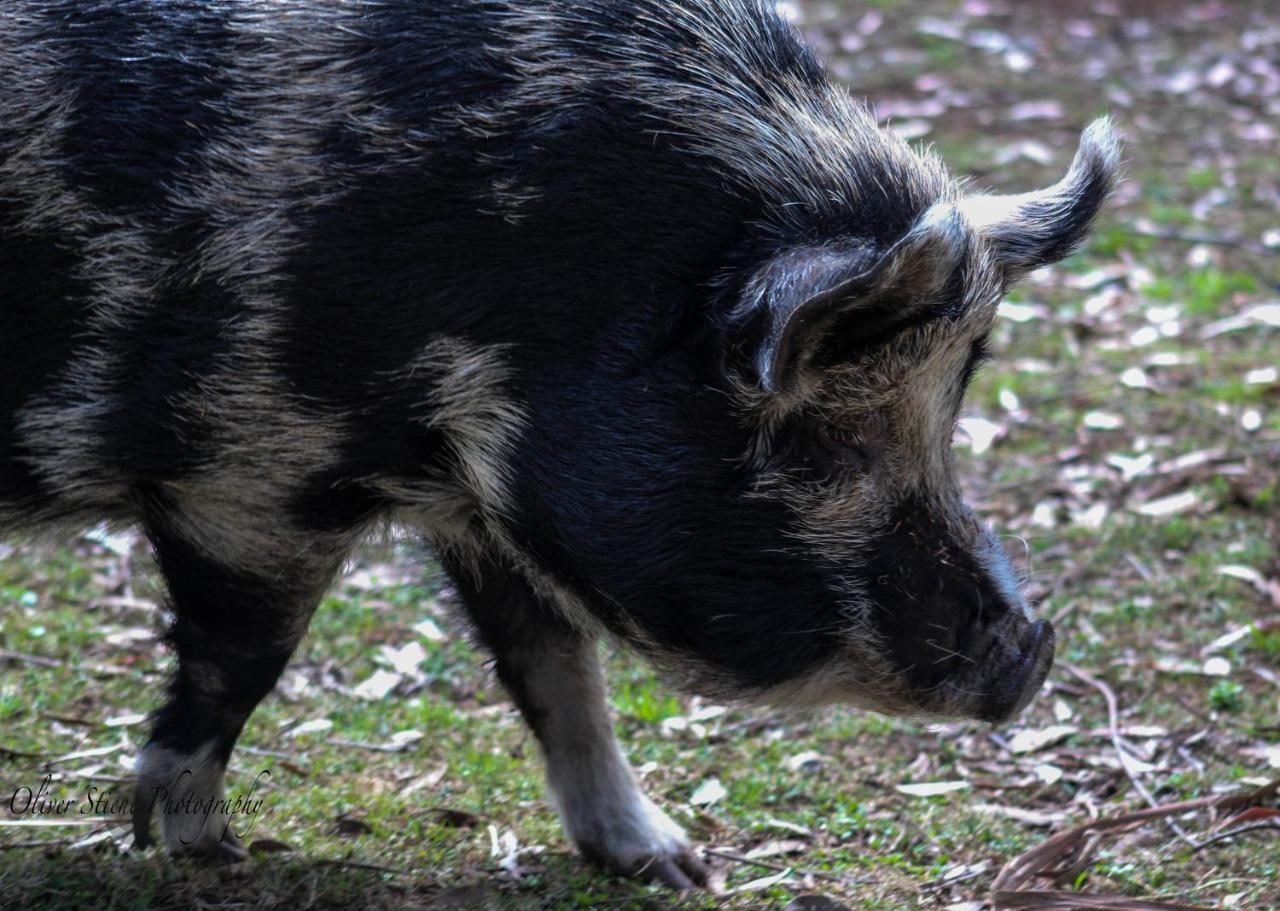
(1042, 638)
(1023, 678)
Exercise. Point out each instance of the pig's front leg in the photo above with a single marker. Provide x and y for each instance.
(553, 673)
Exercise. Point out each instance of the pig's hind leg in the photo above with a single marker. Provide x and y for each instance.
(553, 673)
(238, 615)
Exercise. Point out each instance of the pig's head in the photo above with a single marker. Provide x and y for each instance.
(782, 519)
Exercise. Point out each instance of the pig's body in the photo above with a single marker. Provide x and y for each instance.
(566, 286)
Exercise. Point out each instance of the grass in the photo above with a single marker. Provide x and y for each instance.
(1137, 599)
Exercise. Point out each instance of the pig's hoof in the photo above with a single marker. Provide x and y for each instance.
(646, 844)
(226, 850)
(187, 793)
(681, 871)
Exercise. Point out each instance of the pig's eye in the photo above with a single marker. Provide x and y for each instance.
(833, 449)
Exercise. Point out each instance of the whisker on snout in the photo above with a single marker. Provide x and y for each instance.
(950, 653)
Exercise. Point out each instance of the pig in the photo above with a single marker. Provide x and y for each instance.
(623, 305)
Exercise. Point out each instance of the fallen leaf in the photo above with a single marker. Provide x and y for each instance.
(406, 658)
(808, 761)
(1168, 506)
(759, 885)
(932, 788)
(378, 685)
(1031, 741)
(428, 629)
(1018, 814)
(315, 726)
(707, 793)
(778, 847)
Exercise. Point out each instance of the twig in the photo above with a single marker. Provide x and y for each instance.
(355, 864)
(372, 747)
(1271, 824)
(1199, 237)
(946, 883)
(39, 660)
(1117, 743)
(1017, 872)
(105, 670)
(779, 868)
(22, 754)
(44, 843)
(1074, 901)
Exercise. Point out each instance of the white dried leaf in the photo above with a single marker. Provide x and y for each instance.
(118, 542)
(1144, 336)
(1168, 506)
(406, 658)
(124, 637)
(1018, 814)
(991, 41)
(401, 739)
(314, 726)
(808, 761)
(1048, 773)
(1146, 730)
(940, 28)
(1091, 518)
(378, 685)
(1134, 765)
(981, 433)
(124, 721)
(759, 885)
(1135, 378)
(1266, 314)
(707, 712)
(429, 629)
(1045, 515)
(1102, 420)
(1022, 313)
(1019, 61)
(1103, 300)
(1036, 110)
(1246, 573)
(707, 793)
(1131, 467)
(932, 788)
(1032, 740)
(909, 130)
(1270, 752)
(673, 725)
(1029, 149)
(788, 11)
(1217, 667)
(778, 847)
(785, 826)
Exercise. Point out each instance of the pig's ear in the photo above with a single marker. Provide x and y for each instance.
(1032, 229)
(823, 306)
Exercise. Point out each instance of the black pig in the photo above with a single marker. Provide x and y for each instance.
(628, 309)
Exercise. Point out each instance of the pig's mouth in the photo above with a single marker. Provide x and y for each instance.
(1012, 684)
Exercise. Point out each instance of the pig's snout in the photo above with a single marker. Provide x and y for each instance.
(1015, 682)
